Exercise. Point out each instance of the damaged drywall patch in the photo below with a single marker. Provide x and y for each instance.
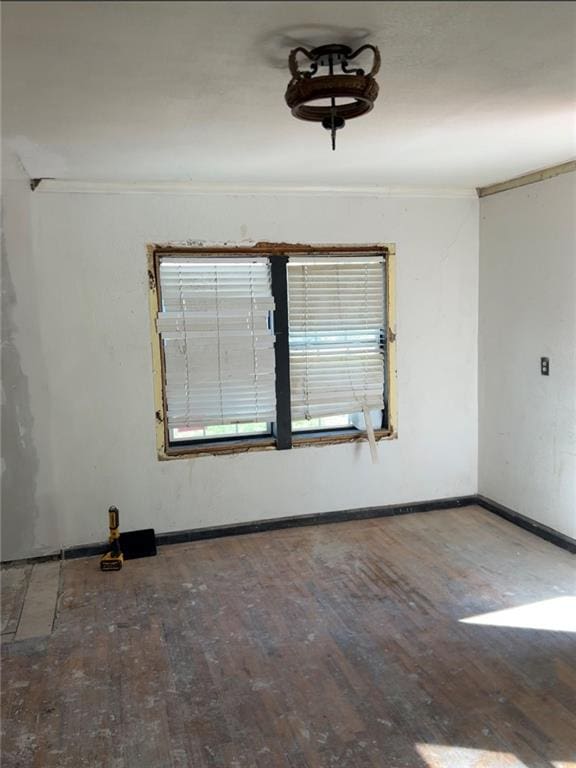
(20, 461)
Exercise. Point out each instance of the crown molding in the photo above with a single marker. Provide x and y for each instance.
(79, 187)
(528, 178)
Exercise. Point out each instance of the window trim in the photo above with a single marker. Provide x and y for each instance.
(167, 451)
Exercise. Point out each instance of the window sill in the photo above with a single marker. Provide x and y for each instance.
(217, 449)
(334, 438)
(267, 444)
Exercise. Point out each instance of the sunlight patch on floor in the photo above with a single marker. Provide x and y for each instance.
(557, 615)
(442, 756)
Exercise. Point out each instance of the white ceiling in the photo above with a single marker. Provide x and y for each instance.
(470, 92)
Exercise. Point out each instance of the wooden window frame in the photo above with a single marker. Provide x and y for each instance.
(279, 251)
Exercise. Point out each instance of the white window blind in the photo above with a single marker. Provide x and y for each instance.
(336, 315)
(215, 326)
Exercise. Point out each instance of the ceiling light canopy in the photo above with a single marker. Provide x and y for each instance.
(344, 94)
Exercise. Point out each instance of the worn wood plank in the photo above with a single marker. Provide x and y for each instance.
(338, 646)
(14, 583)
(39, 607)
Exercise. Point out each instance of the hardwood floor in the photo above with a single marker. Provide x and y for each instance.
(320, 647)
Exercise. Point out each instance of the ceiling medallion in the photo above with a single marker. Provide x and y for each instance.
(347, 94)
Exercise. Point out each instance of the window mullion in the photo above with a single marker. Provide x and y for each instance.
(385, 415)
(282, 352)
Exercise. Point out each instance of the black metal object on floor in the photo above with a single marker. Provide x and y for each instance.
(136, 544)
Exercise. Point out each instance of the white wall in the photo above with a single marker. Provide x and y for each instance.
(527, 434)
(80, 326)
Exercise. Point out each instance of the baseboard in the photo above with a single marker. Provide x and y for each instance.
(538, 529)
(32, 560)
(299, 521)
(275, 524)
(341, 516)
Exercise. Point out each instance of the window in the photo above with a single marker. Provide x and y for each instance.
(336, 321)
(270, 347)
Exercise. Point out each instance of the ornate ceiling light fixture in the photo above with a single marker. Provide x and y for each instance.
(347, 94)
